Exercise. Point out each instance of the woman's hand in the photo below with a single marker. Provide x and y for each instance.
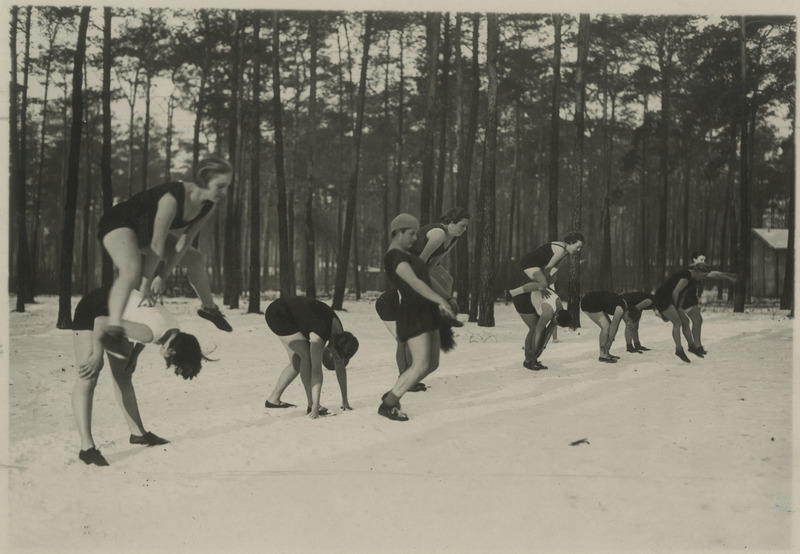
(91, 367)
(546, 293)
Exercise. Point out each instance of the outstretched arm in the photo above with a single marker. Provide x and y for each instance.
(407, 274)
(615, 320)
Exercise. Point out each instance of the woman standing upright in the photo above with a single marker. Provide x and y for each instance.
(147, 225)
(418, 318)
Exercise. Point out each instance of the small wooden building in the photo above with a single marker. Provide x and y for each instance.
(768, 251)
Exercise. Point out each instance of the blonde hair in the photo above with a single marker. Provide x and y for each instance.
(208, 168)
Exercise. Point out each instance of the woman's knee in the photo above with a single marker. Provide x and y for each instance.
(193, 258)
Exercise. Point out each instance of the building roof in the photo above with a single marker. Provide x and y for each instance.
(777, 239)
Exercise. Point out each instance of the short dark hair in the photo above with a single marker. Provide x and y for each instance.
(563, 318)
(345, 344)
(454, 215)
(187, 357)
(574, 237)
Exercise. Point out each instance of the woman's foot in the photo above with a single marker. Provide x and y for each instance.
(607, 360)
(682, 355)
(215, 316)
(392, 412)
(92, 456)
(696, 351)
(632, 349)
(640, 348)
(148, 439)
(419, 387)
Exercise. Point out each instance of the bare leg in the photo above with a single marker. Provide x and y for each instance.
(123, 248)
(402, 355)
(423, 360)
(541, 325)
(83, 391)
(126, 395)
(696, 318)
(530, 321)
(601, 319)
(195, 263)
(289, 374)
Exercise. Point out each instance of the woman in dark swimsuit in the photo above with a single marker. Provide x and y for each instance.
(641, 301)
(691, 300)
(312, 333)
(418, 317)
(668, 300)
(541, 265)
(434, 241)
(607, 309)
(143, 225)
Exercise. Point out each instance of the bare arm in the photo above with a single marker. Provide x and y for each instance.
(612, 330)
(316, 346)
(556, 257)
(646, 303)
(185, 241)
(407, 274)
(676, 292)
(436, 238)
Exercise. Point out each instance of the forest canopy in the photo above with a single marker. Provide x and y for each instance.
(674, 134)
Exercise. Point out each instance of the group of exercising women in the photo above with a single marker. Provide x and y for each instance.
(675, 301)
(150, 234)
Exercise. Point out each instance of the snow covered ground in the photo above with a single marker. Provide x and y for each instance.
(670, 455)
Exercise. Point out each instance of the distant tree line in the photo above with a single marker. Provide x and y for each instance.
(654, 135)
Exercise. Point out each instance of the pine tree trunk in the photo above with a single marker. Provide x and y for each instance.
(465, 155)
(344, 252)
(432, 24)
(70, 204)
(284, 259)
(488, 183)
(442, 101)
(311, 263)
(555, 124)
(105, 156)
(574, 289)
(254, 303)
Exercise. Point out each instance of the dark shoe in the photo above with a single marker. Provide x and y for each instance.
(392, 412)
(538, 366)
(641, 348)
(215, 317)
(606, 360)
(280, 404)
(115, 343)
(419, 387)
(631, 349)
(92, 456)
(702, 350)
(322, 411)
(696, 351)
(148, 439)
(610, 355)
(527, 364)
(682, 355)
